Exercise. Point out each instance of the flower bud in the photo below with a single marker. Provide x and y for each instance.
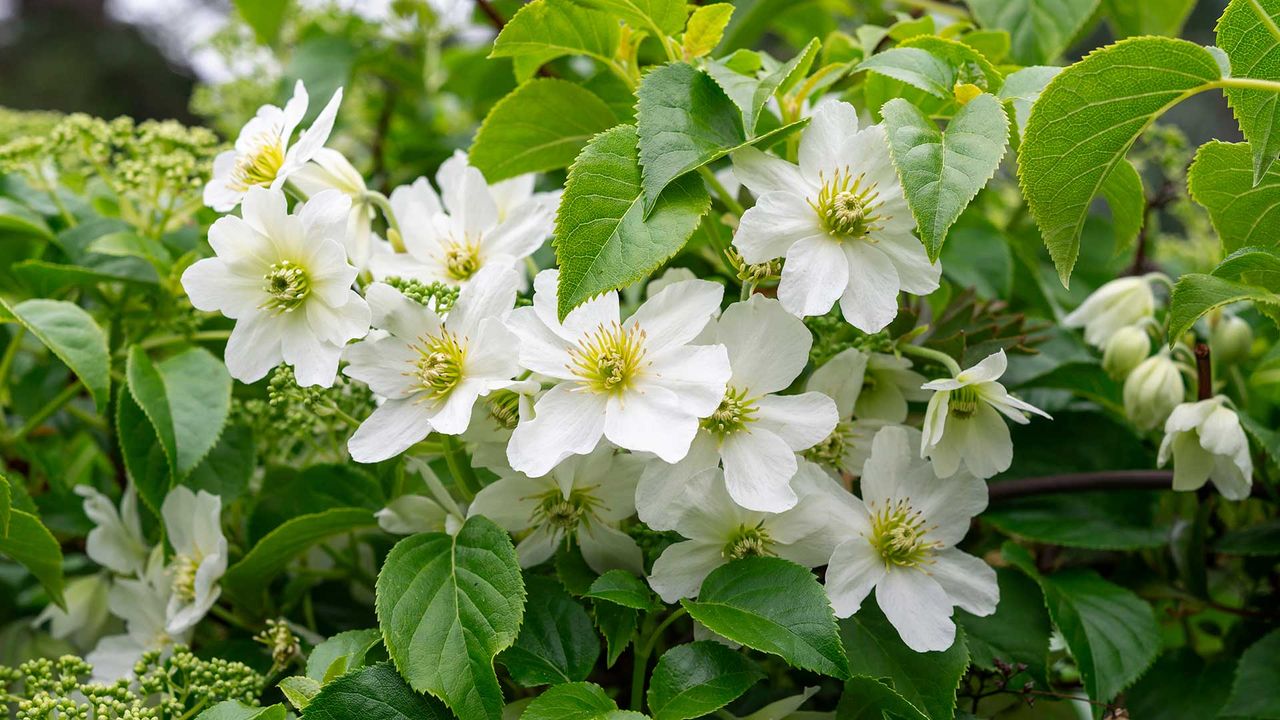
(1152, 391)
(1126, 348)
(1231, 339)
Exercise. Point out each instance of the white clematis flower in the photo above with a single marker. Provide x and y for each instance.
(330, 170)
(1208, 444)
(962, 424)
(286, 281)
(116, 541)
(638, 383)
(193, 521)
(755, 432)
(1117, 304)
(719, 530)
(469, 225)
(839, 218)
(583, 498)
(431, 370)
(1152, 390)
(143, 604)
(263, 156)
(899, 539)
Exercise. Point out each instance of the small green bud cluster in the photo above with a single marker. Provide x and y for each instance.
(436, 295)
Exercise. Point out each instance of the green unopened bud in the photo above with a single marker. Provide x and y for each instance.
(1231, 340)
(1124, 350)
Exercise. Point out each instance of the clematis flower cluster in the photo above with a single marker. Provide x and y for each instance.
(690, 414)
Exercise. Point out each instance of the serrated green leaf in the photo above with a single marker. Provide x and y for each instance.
(557, 643)
(1249, 33)
(918, 68)
(1087, 119)
(1244, 212)
(30, 544)
(1253, 694)
(603, 239)
(236, 710)
(74, 337)
(942, 173)
(186, 397)
(622, 588)
(539, 126)
(1128, 202)
(1040, 30)
(774, 606)
(544, 30)
(697, 679)
(662, 17)
(1017, 632)
(576, 701)
(1196, 294)
(341, 653)
(374, 693)
(706, 27)
(928, 681)
(447, 605)
(1148, 17)
(1111, 632)
(249, 578)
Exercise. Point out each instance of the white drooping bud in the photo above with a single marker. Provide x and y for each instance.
(1118, 304)
(1128, 347)
(1231, 340)
(1152, 391)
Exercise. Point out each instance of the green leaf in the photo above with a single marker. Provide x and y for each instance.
(927, 681)
(236, 710)
(74, 337)
(576, 701)
(1087, 119)
(447, 605)
(1098, 521)
(556, 643)
(299, 690)
(706, 27)
(30, 544)
(1196, 294)
(544, 30)
(248, 579)
(1040, 30)
(867, 698)
(697, 679)
(1181, 686)
(264, 16)
(539, 126)
(1244, 212)
(775, 606)
(603, 239)
(1261, 539)
(186, 397)
(915, 67)
(1128, 202)
(1018, 631)
(622, 588)
(373, 693)
(1253, 694)
(1249, 33)
(942, 173)
(662, 17)
(341, 654)
(1148, 17)
(1111, 632)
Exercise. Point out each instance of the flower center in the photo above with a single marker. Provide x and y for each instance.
(963, 402)
(184, 577)
(259, 167)
(566, 513)
(610, 358)
(846, 207)
(748, 542)
(735, 411)
(288, 285)
(898, 533)
(462, 259)
(439, 364)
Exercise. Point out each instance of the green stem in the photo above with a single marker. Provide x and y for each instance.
(68, 394)
(728, 199)
(941, 358)
(463, 476)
